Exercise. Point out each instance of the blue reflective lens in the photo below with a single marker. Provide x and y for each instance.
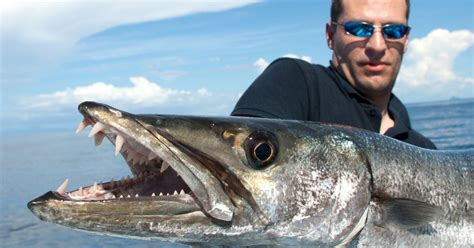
(365, 30)
(359, 29)
(394, 31)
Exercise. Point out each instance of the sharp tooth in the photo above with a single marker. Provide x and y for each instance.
(130, 155)
(164, 166)
(175, 192)
(97, 128)
(134, 158)
(128, 196)
(161, 194)
(113, 197)
(182, 192)
(62, 188)
(143, 160)
(125, 147)
(153, 195)
(98, 139)
(119, 141)
(139, 159)
(121, 196)
(83, 124)
(94, 188)
(136, 196)
(152, 155)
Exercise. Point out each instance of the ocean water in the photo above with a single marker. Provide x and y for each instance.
(32, 164)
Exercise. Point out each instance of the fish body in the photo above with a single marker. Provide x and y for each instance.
(253, 181)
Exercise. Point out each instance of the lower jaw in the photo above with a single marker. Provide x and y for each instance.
(53, 203)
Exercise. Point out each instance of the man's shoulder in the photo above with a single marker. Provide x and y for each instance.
(287, 88)
(316, 77)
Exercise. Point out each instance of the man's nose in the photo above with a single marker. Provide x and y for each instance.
(376, 42)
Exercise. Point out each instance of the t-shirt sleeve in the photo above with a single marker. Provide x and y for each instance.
(279, 92)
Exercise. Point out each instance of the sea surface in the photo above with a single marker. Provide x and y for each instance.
(34, 163)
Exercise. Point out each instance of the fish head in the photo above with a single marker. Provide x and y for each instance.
(242, 181)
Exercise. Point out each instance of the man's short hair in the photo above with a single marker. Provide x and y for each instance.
(337, 8)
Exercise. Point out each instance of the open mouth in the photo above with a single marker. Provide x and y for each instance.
(163, 169)
(152, 177)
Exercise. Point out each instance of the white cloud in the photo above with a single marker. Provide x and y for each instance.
(428, 68)
(36, 34)
(142, 93)
(203, 92)
(294, 56)
(261, 63)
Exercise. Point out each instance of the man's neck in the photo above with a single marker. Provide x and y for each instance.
(386, 122)
(381, 102)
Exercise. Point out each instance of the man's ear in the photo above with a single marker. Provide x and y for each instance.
(330, 35)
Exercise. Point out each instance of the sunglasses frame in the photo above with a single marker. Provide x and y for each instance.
(408, 28)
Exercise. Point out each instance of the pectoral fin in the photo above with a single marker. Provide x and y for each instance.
(406, 213)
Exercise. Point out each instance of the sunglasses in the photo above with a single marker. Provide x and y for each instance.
(365, 30)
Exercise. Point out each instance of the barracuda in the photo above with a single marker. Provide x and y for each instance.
(252, 181)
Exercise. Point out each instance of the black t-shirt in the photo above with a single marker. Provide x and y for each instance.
(294, 89)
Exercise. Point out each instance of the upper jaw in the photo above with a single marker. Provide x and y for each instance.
(132, 135)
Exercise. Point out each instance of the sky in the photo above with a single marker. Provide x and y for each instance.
(194, 57)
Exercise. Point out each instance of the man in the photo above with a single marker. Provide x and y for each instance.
(368, 39)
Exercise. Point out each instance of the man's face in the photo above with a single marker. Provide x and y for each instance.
(370, 64)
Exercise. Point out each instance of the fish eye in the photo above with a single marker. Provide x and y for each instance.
(261, 149)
